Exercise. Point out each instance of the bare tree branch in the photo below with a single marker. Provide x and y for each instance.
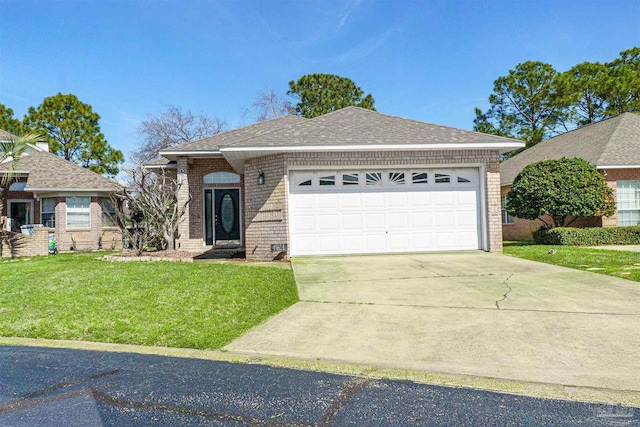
(268, 105)
(172, 127)
(154, 212)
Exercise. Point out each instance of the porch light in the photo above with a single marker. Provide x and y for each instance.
(261, 178)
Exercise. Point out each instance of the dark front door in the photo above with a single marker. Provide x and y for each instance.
(226, 218)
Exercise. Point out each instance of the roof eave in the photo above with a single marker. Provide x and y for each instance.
(502, 147)
(75, 190)
(173, 155)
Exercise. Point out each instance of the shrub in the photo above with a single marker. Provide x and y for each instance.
(564, 189)
(591, 236)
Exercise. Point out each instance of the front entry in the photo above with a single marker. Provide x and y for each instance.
(19, 214)
(222, 216)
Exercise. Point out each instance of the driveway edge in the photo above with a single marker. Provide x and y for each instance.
(540, 390)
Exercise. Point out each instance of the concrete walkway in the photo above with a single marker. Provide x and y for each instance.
(469, 313)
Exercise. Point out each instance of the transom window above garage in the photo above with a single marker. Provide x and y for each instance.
(384, 178)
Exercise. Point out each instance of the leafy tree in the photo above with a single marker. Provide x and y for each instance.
(269, 105)
(524, 104)
(564, 189)
(583, 89)
(71, 128)
(8, 122)
(623, 88)
(172, 127)
(320, 94)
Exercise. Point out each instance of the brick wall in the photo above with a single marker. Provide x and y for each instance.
(93, 238)
(191, 230)
(266, 210)
(266, 207)
(25, 245)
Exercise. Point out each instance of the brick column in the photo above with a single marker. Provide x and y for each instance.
(183, 242)
(494, 208)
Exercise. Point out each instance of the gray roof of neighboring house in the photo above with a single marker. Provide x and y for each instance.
(359, 126)
(48, 172)
(214, 142)
(6, 136)
(610, 142)
(160, 162)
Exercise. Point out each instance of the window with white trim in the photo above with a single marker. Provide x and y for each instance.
(108, 213)
(78, 212)
(507, 219)
(48, 212)
(628, 201)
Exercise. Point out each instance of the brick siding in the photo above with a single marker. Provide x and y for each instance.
(27, 245)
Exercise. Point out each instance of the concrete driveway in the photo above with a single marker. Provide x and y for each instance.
(470, 313)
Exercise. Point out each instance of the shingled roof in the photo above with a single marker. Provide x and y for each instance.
(214, 142)
(359, 126)
(608, 143)
(6, 136)
(48, 172)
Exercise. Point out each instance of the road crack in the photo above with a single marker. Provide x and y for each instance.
(504, 296)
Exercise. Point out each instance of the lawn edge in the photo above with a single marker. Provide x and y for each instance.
(515, 387)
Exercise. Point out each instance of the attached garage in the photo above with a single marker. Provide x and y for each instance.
(381, 210)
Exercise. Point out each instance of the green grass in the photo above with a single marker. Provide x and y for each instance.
(80, 297)
(621, 264)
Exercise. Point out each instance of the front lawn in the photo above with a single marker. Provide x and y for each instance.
(621, 264)
(79, 297)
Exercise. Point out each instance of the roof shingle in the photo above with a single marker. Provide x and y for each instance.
(610, 142)
(359, 126)
(214, 142)
(48, 172)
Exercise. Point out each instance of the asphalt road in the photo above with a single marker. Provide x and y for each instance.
(60, 387)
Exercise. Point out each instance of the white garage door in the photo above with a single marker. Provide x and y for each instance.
(384, 210)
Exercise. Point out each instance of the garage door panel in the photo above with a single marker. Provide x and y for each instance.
(444, 219)
(327, 201)
(374, 221)
(352, 221)
(376, 242)
(373, 200)
(423, 241)
(443, 198)
(353, 243)
(398, 242)
(351, 201)
(302, 202)
(328, 222)
(301, 223)
(420, 220)
(397, 200)
(398, 220)
(387, 216)
(420, 198)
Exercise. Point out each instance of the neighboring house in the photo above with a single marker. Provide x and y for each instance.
(611, 145)
(351, 181)
(70, 201)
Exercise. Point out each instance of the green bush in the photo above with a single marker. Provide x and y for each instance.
(591, 236)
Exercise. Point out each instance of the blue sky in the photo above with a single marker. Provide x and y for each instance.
(427, 60)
